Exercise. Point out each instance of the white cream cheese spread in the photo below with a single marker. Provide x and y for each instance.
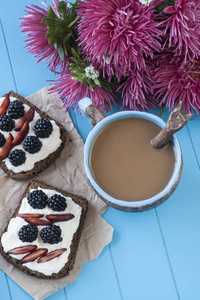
(11, 240)
(49, 145)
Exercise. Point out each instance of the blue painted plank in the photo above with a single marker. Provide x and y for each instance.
(83, 126)
(194, 131)
(61, 295)
(97, 280)
(139, 256)
(180, 222)
(17, 293)
(154, 276)
(7, 82)
(5, 293)
(160, 262)
(29, 75)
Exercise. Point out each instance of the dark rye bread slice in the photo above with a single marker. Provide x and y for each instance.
(76, 238)
(42, 164)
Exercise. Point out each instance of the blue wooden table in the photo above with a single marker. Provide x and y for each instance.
(154, 255)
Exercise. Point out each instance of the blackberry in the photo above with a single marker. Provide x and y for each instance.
(32, 144)
(43, 128)
(17, 157)
(6, 123)
(57, 203)
(28, 233)
(37, 199)
(2, 139)
(16, 109)
(51, 234)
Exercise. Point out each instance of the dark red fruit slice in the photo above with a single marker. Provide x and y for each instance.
(29, 215)
(38, 222)
(21, 135)
(28, 117)
(51, 255)
(33, 255)
(4, 105)
(22, 249)
(5, 150)
(59, 217)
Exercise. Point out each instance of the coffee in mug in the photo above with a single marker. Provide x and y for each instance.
(125, 165)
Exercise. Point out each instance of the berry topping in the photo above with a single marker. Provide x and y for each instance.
(51, 255)
(17, 157)
(43, 128)
(33, 255)
(22, 249)
(6, 123)
(38, 222)
(16, 109)
(32, 144)
(37, 199)
(21, 135)
(57, 203)
(28, 233)
(51, 234)
(28, 117)
(2, 139)
(30, 215)
(4, 105)
(59, 217)
(5, 150)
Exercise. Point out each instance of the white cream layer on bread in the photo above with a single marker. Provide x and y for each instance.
(11, 240)
(49, 145)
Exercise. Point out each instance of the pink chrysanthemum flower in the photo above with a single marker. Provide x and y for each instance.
(37, 42)
(137, 91)
(182, 28)
(175, 82)
(71, 90)
(117, 33)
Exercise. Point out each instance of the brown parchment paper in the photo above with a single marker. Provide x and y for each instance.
(68, 174)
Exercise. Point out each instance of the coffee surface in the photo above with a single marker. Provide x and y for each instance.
(125, 165)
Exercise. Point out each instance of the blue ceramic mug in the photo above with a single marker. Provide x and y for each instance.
(120, 204)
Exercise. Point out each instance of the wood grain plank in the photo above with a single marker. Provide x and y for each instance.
(160, 249)
(5, 293)
(97, 280)
(139, 256)
(194, 132)
(60, 295)
(17, 293)
(180, 219)
(152, 269)
(7, 81)
(29, 75)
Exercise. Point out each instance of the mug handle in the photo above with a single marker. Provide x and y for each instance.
(91, 111)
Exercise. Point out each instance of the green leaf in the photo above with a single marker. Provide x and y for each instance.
(61, 53)
(97, 82)
(51, 13)
(62, 9)
(44, 20)
(61, 31)
(75, 54)
(73, 23)
(50, 38)
(90, 87)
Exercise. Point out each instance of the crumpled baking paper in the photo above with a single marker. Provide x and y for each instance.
(66, 173)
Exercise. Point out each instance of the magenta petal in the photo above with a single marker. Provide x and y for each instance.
(122, 32)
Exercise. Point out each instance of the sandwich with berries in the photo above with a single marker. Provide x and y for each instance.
(30, 140)
(43, 235)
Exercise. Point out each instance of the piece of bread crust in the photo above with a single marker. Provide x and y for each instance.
(75, 242)
(43, 164)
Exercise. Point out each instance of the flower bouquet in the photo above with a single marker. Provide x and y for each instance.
(147, 51)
